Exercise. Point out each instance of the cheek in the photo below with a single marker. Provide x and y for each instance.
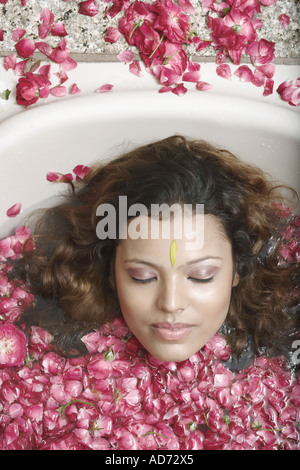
(213, 301)
(132, 300)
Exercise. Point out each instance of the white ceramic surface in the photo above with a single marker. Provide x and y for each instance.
(58, 134)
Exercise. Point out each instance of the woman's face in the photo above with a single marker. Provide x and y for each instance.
(174, 310)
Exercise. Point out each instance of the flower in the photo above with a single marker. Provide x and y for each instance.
(150, 26)
(171, 21)
(31, 87)
(13, 345)
(229, 40)
(118, 396)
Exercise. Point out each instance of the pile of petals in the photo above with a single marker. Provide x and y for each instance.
(35, 79)
(289, 248)
(160, 32)
(117, 396)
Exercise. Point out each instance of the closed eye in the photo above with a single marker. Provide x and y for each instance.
(201, 281)
(143, 281)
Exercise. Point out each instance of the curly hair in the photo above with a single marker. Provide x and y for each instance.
(71, 271)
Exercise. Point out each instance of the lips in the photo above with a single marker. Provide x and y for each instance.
(172, 331)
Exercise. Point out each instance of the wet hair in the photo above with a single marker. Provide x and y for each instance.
(71, 271)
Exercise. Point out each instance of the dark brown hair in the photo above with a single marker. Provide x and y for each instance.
(71, 270)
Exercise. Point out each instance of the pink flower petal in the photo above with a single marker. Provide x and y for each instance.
(165, 89)
(204, 86)
(244, 73)
(62, 76)
(258, 78)
(268, 69)
(45, 70)
(89, 8)
(191, 76)
(186, 6)
(81, 171)
(284, 20)
(104, 88)
(14, 210)
(59, 91)
(44, 48)
(75, 90)
(289, 91)
(112, 35)
(13, 345)
(59, 29)
(135, 68)
(47, 16)
(25, 48)
(268, 88)
(267, 3)
(60, 54)
(200, 44)
(66, 178)
(20, 68)
(223, 70)
(23, 233)
(52, 176)
(10, 62)
(179, 90)
(68, 64)
(17, 34)
(126, 56)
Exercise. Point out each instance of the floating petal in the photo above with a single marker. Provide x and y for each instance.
(173, 252)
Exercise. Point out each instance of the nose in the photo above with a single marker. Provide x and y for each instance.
(171, 297)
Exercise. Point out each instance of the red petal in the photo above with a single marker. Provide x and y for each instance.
(14, 210)
(126, 56)
(244, 73)
(51, 176)
(223, 70)
(74, 89)
(18, 33)
(25, 48)
(203, 86)
(104, 88)
(59, 91)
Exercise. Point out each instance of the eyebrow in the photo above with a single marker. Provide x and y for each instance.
(148, 263)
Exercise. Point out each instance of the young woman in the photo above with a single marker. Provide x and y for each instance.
(95, 271)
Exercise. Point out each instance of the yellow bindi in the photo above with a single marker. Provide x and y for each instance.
(173, 252)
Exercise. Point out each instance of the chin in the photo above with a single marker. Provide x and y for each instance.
(174, 355)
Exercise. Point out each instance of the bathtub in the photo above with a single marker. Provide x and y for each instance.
(58, 134)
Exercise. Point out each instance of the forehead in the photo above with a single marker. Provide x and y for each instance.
(214, 241)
